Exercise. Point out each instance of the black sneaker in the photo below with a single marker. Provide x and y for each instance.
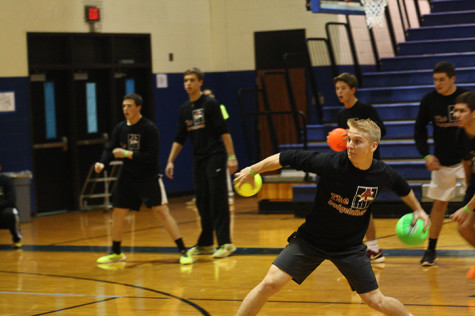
(429, 258)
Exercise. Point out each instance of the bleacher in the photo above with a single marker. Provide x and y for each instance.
(446, 34)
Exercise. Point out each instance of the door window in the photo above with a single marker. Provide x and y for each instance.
(50, 110)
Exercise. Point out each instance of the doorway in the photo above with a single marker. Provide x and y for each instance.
(77, 82)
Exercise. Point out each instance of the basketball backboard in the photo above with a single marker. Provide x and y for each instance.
(337, 6)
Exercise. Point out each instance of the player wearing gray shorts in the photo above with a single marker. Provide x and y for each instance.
(335, 227)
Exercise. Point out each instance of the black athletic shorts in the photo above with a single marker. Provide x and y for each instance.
(299, 260)
(130, 193)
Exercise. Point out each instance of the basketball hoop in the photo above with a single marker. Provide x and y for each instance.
(374, 10)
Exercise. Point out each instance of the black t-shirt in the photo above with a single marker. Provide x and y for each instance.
(361, 111)
(203, 121)
(143, 139)
(340, 213)
(438, 109)
(7, 192)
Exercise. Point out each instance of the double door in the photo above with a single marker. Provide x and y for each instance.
(74, 110)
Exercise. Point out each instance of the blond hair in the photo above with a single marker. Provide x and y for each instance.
(367, 126)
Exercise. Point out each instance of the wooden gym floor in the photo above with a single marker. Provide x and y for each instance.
(55, 273)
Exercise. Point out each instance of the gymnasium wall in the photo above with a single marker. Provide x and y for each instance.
(215, 35)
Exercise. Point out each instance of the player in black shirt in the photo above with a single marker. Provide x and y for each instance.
(345, 88)
(335, 227)
(445, 166)
(136, 141)
(201, 119)
(464, 113)
(9, 217)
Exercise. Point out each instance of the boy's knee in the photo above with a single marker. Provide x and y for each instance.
(270, 286)
(162, 211)
(375, 301)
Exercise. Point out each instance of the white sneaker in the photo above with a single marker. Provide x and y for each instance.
(224, 251)
(200, 250)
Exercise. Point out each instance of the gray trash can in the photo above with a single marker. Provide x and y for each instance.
(22, 182)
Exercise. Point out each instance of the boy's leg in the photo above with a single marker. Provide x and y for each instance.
(162, 212)
(15, 229)
(118, 219)
(219, 205)
(374, 253)
(10, 219)
(441, 190)
(203, 197)
(371, 231)
(437, 215)
(273, 282)
(467, 230)
(384, 304)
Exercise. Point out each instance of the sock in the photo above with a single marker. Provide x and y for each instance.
(116, 247)
(180, 244)
(373, 245)
(432, 244)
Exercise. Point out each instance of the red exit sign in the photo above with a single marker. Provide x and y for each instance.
(93, 14)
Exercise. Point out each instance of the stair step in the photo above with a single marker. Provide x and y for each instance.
(401, 93)
(289, 176)
(387, 112)
(441, 32)
(412, 77)
(411, 170)
(437, 46)
(427, 61)
(449, 18)
(452, 5)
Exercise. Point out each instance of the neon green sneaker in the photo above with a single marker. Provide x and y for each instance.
(185, 258)
(224, 250)
(112, 257)
(17, 245)
(113, 266)
(201, 250)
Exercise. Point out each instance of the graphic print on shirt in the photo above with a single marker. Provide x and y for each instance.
(364, 197)
(446, 121)
(133, 142)
(198, 118)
